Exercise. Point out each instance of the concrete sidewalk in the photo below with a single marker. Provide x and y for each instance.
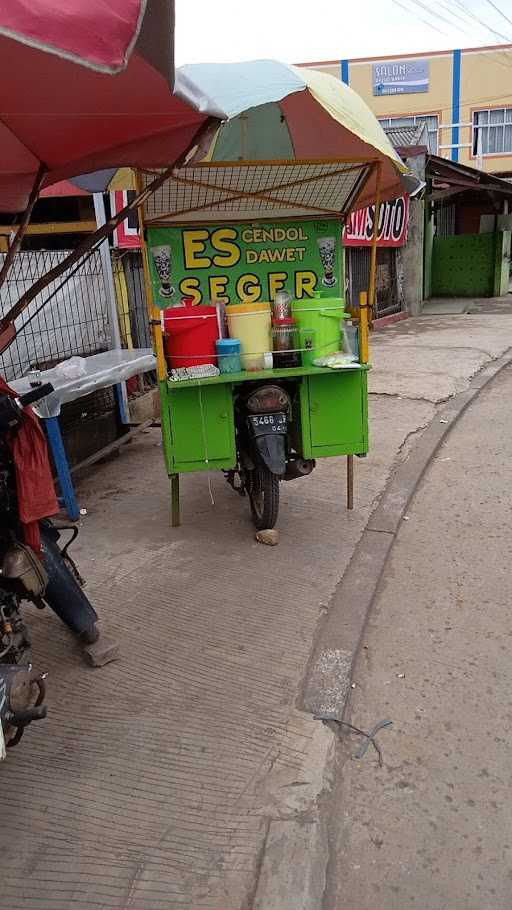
(448, 306)
(165, 779)
(443, 306)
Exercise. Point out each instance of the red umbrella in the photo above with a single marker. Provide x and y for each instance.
(99, 34)
(59, 118)
(85, 86)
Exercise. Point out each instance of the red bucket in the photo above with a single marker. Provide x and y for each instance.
(190, 334)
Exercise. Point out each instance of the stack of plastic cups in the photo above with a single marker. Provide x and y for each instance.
(228, 354)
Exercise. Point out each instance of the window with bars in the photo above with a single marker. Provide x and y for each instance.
(432, 121)
(492, 132)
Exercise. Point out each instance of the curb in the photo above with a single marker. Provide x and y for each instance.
(328, 679)
(383, 321)
(293, 873)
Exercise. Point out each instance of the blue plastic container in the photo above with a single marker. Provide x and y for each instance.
(228, 354)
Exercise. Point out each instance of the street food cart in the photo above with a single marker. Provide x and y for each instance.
(259, 146)
(257, 210)
(198, 413)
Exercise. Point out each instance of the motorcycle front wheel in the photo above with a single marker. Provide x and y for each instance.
(64, 595)
(264, 497)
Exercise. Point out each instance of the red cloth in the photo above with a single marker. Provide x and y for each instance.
(34, 481)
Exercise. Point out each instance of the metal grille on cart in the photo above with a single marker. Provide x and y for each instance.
(244, 192)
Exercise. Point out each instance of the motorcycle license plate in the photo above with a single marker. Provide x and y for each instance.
(265, 424)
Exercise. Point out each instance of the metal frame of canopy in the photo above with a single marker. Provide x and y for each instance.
(180, 179)
(251, 190)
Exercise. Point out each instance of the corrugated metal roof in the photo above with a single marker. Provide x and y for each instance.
(407, 136)
(450, 178)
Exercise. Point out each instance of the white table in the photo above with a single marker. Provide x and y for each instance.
(73, 379)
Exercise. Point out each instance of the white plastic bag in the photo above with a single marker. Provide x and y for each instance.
(73, 368)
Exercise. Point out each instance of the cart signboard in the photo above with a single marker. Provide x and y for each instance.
(249, 262)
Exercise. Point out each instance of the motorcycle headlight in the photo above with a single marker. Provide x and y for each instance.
(267, 399)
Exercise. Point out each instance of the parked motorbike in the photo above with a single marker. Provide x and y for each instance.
(267, 438)
(51, 580)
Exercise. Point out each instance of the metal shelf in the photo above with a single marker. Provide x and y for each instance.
(249, 376)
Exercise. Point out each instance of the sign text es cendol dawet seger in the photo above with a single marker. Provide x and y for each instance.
(245, 262)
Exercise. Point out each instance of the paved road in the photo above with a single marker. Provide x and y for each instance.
(432, 829)
(152, 783)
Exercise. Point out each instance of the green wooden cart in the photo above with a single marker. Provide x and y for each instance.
(198, 419)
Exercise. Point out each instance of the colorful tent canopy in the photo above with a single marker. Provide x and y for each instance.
(102, 181)
(292, 142)
(92, 121)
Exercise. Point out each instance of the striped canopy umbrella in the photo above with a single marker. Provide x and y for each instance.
(288, 142)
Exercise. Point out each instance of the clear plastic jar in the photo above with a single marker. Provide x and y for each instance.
(282, 305)
(285, 343)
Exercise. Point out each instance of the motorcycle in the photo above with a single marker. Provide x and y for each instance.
(267, 428)
(50, 579)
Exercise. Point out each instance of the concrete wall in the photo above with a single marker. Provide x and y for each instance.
(428, 252)
(412, 259)
(470, 265)
(412, 254)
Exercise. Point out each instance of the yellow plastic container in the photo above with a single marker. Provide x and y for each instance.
(251, 324)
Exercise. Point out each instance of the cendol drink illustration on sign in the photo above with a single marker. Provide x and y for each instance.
(162, 258)
(327, 249)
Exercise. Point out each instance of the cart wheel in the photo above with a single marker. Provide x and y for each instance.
(264, 497)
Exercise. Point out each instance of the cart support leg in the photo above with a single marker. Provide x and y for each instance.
(350, 481)
(175, 500)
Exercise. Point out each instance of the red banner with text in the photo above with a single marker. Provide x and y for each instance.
(393, 224)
